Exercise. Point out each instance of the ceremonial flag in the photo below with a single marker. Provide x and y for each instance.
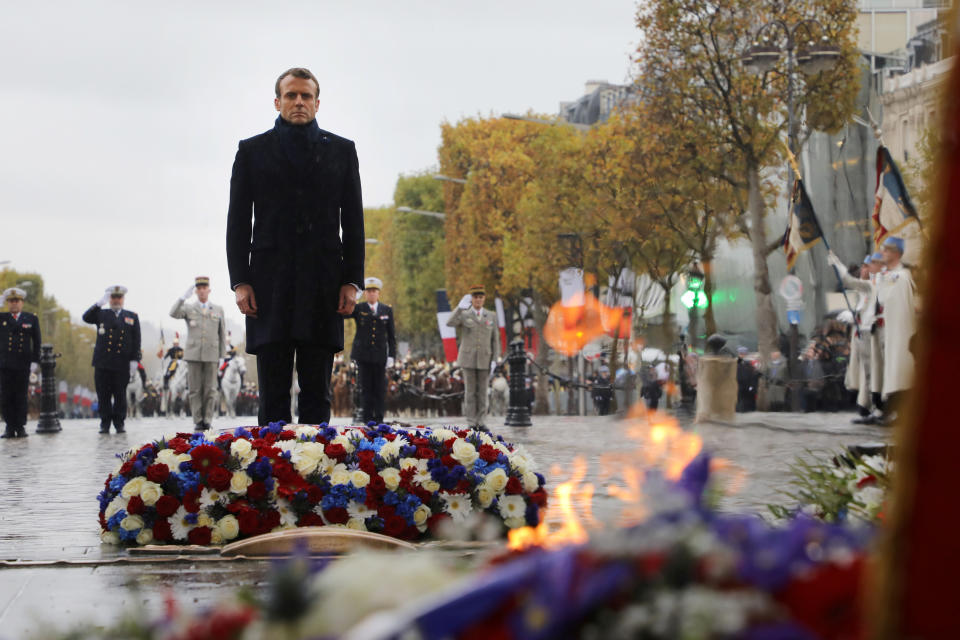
(447, 334)
(892, 209)
(803, 230)
(501, 323)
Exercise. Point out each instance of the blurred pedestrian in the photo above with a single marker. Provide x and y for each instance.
(601, 390)
(747, 378)
(19, 357)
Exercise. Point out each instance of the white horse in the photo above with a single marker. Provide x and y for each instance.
(231, 381)
(499, 396)
(134, 393)
(176, 388)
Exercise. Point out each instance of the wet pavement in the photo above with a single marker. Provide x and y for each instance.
(48, 506)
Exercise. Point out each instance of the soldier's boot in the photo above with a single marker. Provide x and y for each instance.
(21, 432)
(104, 427)
(9, 432)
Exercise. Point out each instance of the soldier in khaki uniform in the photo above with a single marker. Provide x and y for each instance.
(206, 345)
(478, 353)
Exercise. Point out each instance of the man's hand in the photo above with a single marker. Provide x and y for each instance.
(133, 366)
(389, 362)
(104, 300)
(836, 263)
(246, 300)
(348, 299)
(466, 302)
(34, 367)
(188, 292)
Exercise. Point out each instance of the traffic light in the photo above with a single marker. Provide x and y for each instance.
(694, 295)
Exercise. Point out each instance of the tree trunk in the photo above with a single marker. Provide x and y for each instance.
(668, 321)
(541, 402)
(766, 315)
(709, 322)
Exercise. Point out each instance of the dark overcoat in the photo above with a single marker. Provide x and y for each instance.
(19, 341)
(375, 339)
(284, 235)
(118, 337)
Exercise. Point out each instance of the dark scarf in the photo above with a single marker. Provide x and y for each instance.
(297, 140)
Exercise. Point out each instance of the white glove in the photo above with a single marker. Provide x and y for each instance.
(493, 366)
(389, 362)
(133, 366)
(465, 302)
(34, 367)
(188, 292)
(845, 316)
(104, 300)
(836, 262)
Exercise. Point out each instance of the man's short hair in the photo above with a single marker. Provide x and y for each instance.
(297, 72)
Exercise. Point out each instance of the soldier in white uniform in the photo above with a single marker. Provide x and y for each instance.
(206, 345)
(897, 300)
(478, 353)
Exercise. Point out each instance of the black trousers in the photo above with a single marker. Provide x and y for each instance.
(13, 397)
(373, 389)
(275, 374)
(111, 388)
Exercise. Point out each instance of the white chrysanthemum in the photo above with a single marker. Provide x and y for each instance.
(306, 430)
(464, 453)
(458, 505)
(512, 507)
(286, 445)
(390, 451)
(179, 526)
(422, 476)
(502, 448)
(210, 497)
(520, 461)
(485, 438)
(359, 510)
(443, 434)
(287, 515)
(356, 523)
(345, 441)
(115, 505)
(171, 458)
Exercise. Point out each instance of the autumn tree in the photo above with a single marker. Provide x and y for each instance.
(689, 69)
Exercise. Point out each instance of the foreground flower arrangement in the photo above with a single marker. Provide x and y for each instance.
(192, 489)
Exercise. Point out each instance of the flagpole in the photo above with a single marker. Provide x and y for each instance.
(836, 272)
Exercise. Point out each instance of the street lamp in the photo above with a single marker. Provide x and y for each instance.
(440, 176)
(433, 214)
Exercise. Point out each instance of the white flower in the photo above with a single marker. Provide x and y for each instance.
(133, 486)
(172, 459)
(244, 451)
(150, 492)
(204, 520)
(228, 526)
(502, 448)
(443, 434)
(179, 526)
(520, 461)
(145, 536)
(286, 445)
(530, 481)
(512, 507)
(458, 505)
(307, 431)
(496, 480)
(115, 505)
(417, 463)
(515, 523)
(109, 537)
(287, 515)
(464, 453)
(340, 475)
(359, 478)
(390, 450)
(131, 523)
(356, 523)
(345, 441)
(421, 514)
(239, 482)
(210, 497)
(871, 497)
(485, 496)
(391, 478)
(359, 510)
(215, 536)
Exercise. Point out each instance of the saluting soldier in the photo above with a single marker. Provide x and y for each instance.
(115, 356)
(19, 356)
(206, 344)
(374, 349)
(478, 353)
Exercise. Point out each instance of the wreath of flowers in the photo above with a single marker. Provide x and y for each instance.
(192, 489)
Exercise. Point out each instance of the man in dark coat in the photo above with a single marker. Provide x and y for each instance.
(19, 355)
(295, 249)
(115, 356)
(374, 349)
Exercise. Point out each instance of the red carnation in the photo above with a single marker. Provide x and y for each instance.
(199, 535)
(191, 501)
(256, 491)
(448, 444)
(488, 453)
(390, 436)
(419, 441)
(269, 520)
(335, 451)
(394, 526)
(161, 530)
(336, 515)
(826, 600)
(514, 486)
(158, 472)
(310, 520)
(287, 434)
(448, 461)
(103, 522)
(225, 437)
(126, 468)
(539, 497)
(249, 521)
(167, 505)
(425, 453)
(424, 495)
(366, 456)
(135, 505)
(179, 445)
(315, 493)
(219, 478)
(270, 437)
(376, 486)
(206, 456)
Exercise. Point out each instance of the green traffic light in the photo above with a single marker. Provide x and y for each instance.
(688, 297)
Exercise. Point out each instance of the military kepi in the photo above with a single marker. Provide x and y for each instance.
(117, 290)
(202, 281)
(14, 293)
(478, 290)
(372, 283)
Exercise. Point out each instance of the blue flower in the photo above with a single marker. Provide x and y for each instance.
(374, 523)
(186, 465)
(480, 465)
(259, 469)
(117, 483)
(366, 445)
(114, 521)
(241, 432)
(531, 515)
(104, 499)
(274, 427)
(190, 518)
(188, 480)
(127, 536)
(329, 433)
(408, 451)
(391, 498)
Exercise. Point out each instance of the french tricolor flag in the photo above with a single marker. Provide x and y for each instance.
(447, 334)
(502, 323)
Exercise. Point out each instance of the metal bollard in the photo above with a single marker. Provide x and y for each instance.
(49, 420)
(518, 412)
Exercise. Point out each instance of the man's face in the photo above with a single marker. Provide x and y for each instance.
(478, 299)
(891, 257)
(116, 301)
(15, 306)
(298, 101)
(373, 295)
(203, 292)
(875, 266)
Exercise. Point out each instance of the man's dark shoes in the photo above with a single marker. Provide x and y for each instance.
(9, 433)
(119, 428)
(199, 427)
(864, 420)
(21, 432)
(105, 428)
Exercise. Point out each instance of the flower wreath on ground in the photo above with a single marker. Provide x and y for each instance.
(192, 489)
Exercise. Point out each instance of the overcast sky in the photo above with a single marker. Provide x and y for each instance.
(119, 121)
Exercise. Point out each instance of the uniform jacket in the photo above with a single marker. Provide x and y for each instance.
(375, 339)
(118, 337)
(206, 330)
(479, 338)
(283, 232)
(19, 340)
(896, 295)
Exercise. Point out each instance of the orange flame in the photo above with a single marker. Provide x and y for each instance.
(570, 329)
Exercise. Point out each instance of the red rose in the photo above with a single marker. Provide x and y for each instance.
(394, 526)
(179, 444)
(448, 461)
(158, 472)
(448, 444)
(249, 521)
(206, 456)
(199, 535)
(225, 437)
(425, 453)
(238, 506)
(256, 491)
(287, 434)
(135, 505)
(219, 478)
(336, 515)
(366, 455)
(167, 505)
(161, 530)
(539, 497)
(488, 453)
(314, 494)
(269, 520)
(310, 519)
(826, 599)
(390, 436)
(514, 486)
(126, 468)
(191, 501)
(335, 451)
(376, 485)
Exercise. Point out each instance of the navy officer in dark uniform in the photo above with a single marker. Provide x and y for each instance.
(374, 349)
(295, 248)
(19, 355)
(115, 356)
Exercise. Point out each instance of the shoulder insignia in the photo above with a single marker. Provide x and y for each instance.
(129, 320)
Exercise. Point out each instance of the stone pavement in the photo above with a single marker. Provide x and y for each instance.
(48, 508)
